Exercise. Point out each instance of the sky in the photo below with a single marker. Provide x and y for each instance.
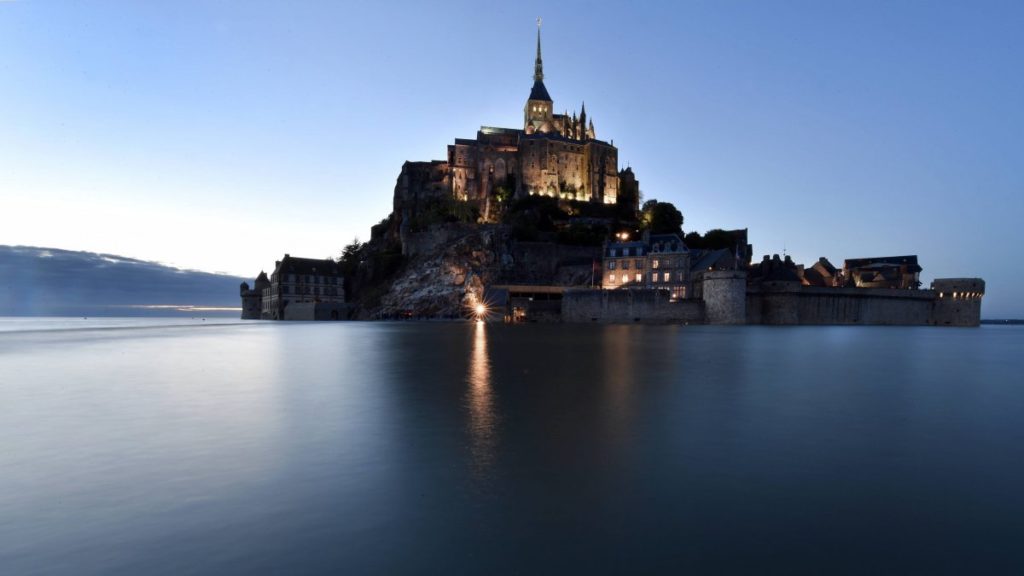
(218, 136)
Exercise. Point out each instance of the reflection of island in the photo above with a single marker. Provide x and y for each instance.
(480, 400)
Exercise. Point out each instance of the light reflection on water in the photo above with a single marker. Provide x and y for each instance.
(483, 421)
(406, 448)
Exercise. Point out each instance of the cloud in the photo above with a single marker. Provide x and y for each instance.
(49, 281)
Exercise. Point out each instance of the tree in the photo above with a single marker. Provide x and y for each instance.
(661, 218)
(351, 256)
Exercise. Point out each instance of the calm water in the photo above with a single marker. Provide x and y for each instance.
(190, 447)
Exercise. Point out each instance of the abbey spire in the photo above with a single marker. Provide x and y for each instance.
(538, 65)
(538, 112)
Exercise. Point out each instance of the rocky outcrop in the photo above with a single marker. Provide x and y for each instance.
(448, 264)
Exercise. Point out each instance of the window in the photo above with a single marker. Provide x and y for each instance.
(639, 277)
(625, 264)
(611, 264)
(611, 278)
(665, 277)
(639, 264)
(654, 263)
(679, 276)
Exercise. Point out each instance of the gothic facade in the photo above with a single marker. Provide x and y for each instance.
(554, 155)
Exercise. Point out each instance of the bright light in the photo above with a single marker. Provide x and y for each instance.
(481, 309)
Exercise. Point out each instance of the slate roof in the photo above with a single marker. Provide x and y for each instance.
(539, 92)
(292, 265)
(709, 259)
(909, 261)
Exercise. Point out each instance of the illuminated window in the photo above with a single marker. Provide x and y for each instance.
(639, 278)
(654, 263)
(611, 278)
(665, 277)
(654, 277)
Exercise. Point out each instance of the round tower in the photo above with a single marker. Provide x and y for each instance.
(725, 296)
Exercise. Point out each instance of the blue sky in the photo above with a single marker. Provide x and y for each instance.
(220, 135)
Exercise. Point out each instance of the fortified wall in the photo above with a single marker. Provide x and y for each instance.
(950, 302)
(628, 305)
(726, 299)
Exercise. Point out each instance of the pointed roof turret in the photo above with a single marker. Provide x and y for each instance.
(539, 92)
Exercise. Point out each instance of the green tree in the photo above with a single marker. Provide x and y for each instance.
(661, 218)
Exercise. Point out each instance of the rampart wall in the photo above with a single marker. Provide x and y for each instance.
(624, 305)
(789, 303)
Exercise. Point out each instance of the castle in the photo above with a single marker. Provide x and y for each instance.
(555, 155)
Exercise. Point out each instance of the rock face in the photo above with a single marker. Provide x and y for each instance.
(446, 256)
(444, 264)
(447, 263)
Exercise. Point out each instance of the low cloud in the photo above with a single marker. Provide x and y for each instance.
(48, 281)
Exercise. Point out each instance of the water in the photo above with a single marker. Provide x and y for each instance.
(189, 447)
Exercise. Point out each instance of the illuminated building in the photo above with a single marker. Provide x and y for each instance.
(556, 155)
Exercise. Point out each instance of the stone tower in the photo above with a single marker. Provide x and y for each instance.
(537, 114)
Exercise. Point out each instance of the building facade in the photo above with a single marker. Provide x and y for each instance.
(657, 261)
(556, 155)
(298, 288)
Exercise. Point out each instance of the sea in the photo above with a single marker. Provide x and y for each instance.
(210, 446)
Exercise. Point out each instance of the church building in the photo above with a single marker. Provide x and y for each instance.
(555, 155)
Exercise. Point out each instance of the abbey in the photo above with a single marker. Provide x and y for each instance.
(554, 155)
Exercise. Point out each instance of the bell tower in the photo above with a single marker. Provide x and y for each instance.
(537, 114)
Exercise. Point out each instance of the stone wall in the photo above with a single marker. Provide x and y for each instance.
(550, 263)
(724, 293)
(315, 311)
(784, 303)
(624, 305)
(958, 302)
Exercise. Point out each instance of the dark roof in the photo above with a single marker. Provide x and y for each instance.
(539, 92)
(669, 242)
(708, 259)
(293, 265)
(909, 261)
(623, 245)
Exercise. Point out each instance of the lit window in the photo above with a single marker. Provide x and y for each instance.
(654, 263)
(665, 277)
(639, 278)
(654, 277)
(611, 278)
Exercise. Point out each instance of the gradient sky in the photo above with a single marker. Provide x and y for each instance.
(220, 135)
